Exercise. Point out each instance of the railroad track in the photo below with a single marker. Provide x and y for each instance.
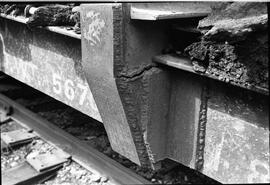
(69, 147)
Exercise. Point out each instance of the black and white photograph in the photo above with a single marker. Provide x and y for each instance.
(112, 92)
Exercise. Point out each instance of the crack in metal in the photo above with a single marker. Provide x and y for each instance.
(136, 73)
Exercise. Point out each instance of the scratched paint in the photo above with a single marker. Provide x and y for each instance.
(48, 66)
(92, 32)
(236, 150)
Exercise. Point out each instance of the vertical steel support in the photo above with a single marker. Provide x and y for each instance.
(130, 92)
(98, 54)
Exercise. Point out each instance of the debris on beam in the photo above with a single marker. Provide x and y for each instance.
(234, 45)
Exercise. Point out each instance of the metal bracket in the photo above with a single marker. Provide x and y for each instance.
(17, 137)
(48, 160)
(25, 174)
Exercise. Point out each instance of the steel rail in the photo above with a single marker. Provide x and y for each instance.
(81, 153)
(57, 29)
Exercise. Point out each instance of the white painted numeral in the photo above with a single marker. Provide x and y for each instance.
(69, 89)
(84, 93)
(57, 88)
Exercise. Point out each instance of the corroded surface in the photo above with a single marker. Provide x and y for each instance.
(237, 137)
(126, 78)
(234, 47)
(138, 79)
(53, 16)
(48, 62)
(201, 129)
(182, 128)
(147, 114)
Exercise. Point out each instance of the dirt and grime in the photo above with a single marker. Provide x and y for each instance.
(234, 44)
(67, 15)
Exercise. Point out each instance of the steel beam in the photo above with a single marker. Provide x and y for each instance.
(218, 129)
(116, 58)
(150, 112)
(47, 61)
(236, 140)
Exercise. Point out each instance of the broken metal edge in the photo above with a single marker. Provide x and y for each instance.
(56, 29)
(184, 63)
(81, 153)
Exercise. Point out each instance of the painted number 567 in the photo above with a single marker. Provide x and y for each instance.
(68, 88)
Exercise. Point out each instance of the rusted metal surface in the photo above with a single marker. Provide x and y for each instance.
(48, 62)
(201, 128)
(61, 30)
(237, 136)
(117, 62)
(184, 63)
(138, 79)
(150, 112)
(225, 135)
